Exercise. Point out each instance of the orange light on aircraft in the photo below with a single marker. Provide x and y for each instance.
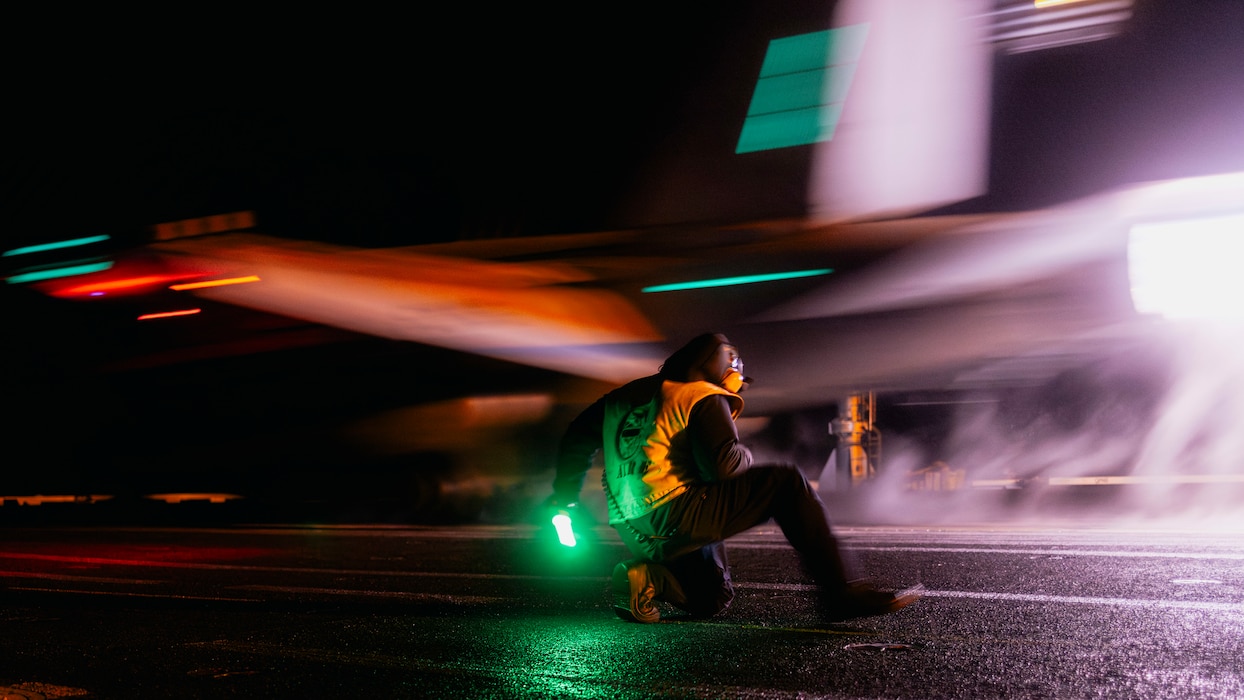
(169, 314)
(214, 283)
(40, 499)
(175, 498)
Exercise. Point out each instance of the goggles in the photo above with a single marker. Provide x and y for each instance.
(736, 362)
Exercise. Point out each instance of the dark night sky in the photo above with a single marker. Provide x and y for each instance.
(383, 130)
(521, 122)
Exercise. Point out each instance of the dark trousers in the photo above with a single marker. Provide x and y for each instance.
(685, 537)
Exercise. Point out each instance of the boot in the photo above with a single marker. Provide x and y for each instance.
(635, 592)
(862, 599)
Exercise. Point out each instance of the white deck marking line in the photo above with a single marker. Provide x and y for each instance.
(1033, 598)
(1058, 552)
(286, 569)
(439, 597)
(1085, 600)
(478, 532)
(137, 595)
(1230, 556)
(984, 595)
(469, 600)
(83, 579)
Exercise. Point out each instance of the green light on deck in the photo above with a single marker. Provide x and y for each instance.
(59, 272)
(55, 246)
(732, 281)
(565, 534)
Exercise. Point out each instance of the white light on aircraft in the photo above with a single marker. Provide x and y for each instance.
(1188, 268)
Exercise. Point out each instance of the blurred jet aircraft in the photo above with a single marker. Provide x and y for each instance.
(864, 293)
(821, 312)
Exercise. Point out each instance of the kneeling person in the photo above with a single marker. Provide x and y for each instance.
(679, 483)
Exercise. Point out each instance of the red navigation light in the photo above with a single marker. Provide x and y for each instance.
(132, 274)
(130, 285)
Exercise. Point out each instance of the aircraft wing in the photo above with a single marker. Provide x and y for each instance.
(819, 309)
(540, 314)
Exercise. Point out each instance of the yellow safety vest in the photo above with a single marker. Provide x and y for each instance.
(646, 464)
